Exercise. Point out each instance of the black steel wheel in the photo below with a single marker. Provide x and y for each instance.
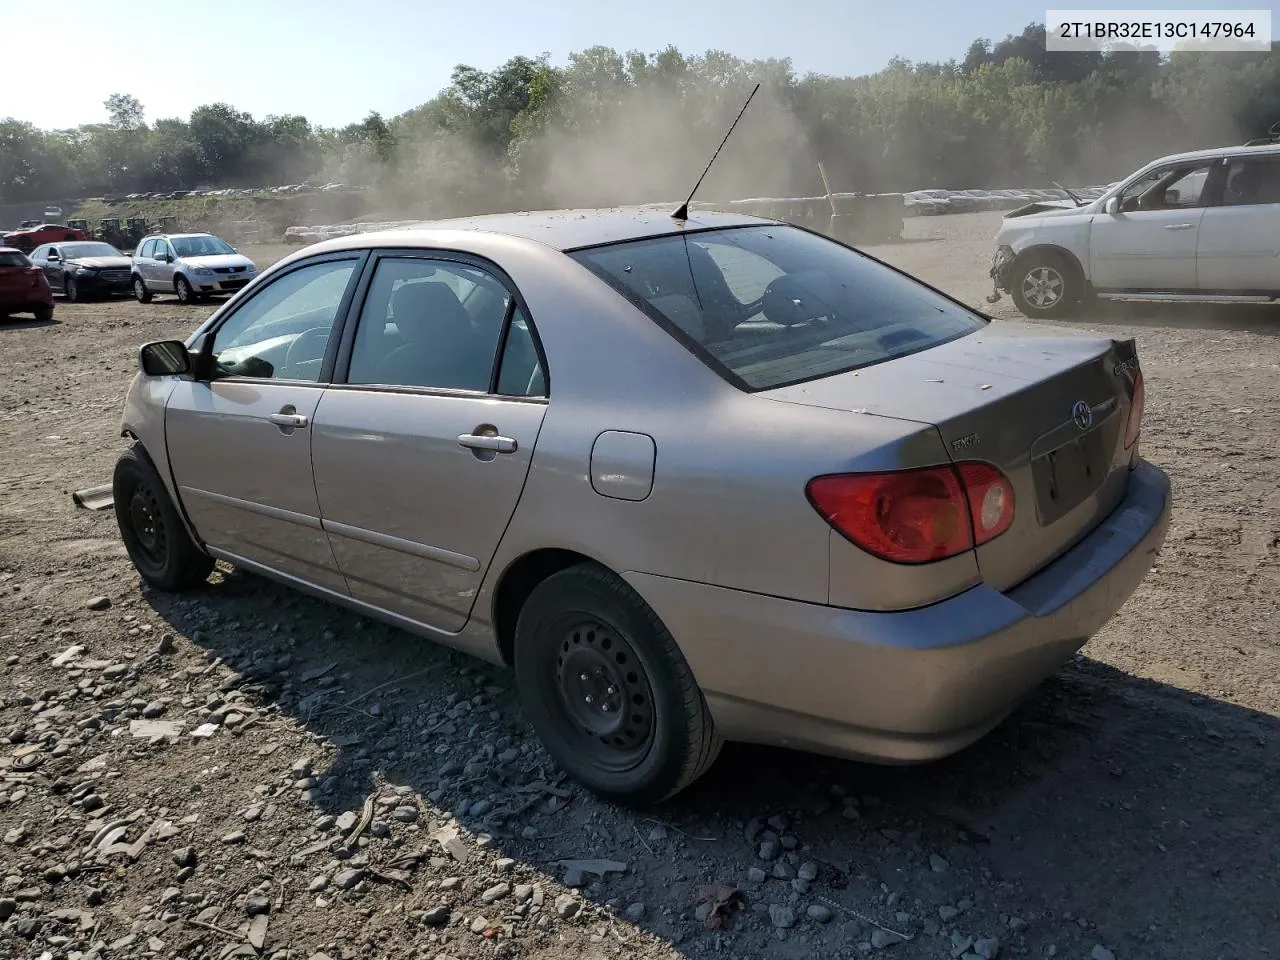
(607, 689)
(158, 544)
(604, 692)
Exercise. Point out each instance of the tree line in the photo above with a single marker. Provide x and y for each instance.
(611, 127)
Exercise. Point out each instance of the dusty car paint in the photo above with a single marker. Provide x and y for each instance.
(795, 635)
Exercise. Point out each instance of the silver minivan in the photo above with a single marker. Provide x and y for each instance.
(190, 265)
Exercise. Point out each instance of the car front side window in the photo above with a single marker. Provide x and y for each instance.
(1169, 188)
(283, 331)
(415, 332)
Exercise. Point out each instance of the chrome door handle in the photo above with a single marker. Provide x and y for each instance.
(1178, 226)
(288, 419)
(473, 441)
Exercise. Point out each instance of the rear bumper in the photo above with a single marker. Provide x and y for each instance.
(18, 300)
(914, 685)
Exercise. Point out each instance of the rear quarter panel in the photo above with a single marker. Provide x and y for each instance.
(727, 506)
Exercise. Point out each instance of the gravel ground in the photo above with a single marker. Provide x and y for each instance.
(247, 772)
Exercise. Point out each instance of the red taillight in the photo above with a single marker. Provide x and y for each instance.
(1137, 404)
(916, 516)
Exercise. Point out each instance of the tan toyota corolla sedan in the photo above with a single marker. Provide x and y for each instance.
(693, 480)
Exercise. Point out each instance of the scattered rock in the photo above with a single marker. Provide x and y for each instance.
(480, 925)
(808, 871)
(257, 903)
(436, 916)
(937, 863)
(819, 913)
(756, 876)
(947, 913)
(883, 938)
(768, 850)
(1100, 952)
(99, 603)
(635, 912)
(567, 907)
(987, 948)
(496, 892)
(185, 856)
(346, 879)
(782, 916)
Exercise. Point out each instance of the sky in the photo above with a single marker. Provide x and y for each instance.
(334, 60)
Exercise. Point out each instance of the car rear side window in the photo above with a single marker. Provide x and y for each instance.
(437, 324)
(771, 306)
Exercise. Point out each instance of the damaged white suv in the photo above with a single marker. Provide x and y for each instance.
(1193, 226)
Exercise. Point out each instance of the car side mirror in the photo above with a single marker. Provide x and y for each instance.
(1112, 206)
(53, 255)
(164, 358)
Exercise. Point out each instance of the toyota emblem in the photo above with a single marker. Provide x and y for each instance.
(1082, 415)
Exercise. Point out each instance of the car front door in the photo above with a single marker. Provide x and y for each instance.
(164, 259)
(422, 445)
(239, 436)
(1149, 243)
(1238, 247)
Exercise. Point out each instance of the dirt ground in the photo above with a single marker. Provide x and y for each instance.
(354, 792)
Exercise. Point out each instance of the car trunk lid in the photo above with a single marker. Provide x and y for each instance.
(1048, 410)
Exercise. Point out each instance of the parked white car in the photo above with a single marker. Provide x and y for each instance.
(1192, 226)
(189, 265)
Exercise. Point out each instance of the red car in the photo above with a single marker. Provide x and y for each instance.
(23, 286)
(28, 238)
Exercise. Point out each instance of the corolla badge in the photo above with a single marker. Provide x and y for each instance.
(1082, 415)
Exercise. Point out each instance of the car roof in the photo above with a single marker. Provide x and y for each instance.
(1236, 151)
(175, 236)
(560, 229)
(11, 250)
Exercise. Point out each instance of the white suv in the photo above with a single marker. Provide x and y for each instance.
(1193, 226)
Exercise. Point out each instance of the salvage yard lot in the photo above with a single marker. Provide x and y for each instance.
(1130, 805)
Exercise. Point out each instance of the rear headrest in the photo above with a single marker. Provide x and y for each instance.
(429, 307)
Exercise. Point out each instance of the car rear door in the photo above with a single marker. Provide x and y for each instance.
(1149, 244)
(239, 438)
(421, 454)
(142, 261)
(1238, 245)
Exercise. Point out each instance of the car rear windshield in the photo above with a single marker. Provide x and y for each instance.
(770, 306)
(13, 260)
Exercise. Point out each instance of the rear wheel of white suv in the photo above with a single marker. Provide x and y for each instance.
(1047, 285)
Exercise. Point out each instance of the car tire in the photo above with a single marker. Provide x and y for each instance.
(162, 551)
(43, 313)
(585, 622)
(182, 287)
(1047, 285)
(69, 290)
(140, 291)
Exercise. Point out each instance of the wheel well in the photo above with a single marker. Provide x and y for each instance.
(1050, 250)
(518, 581)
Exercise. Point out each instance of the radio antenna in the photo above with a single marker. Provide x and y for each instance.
(683, 212)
